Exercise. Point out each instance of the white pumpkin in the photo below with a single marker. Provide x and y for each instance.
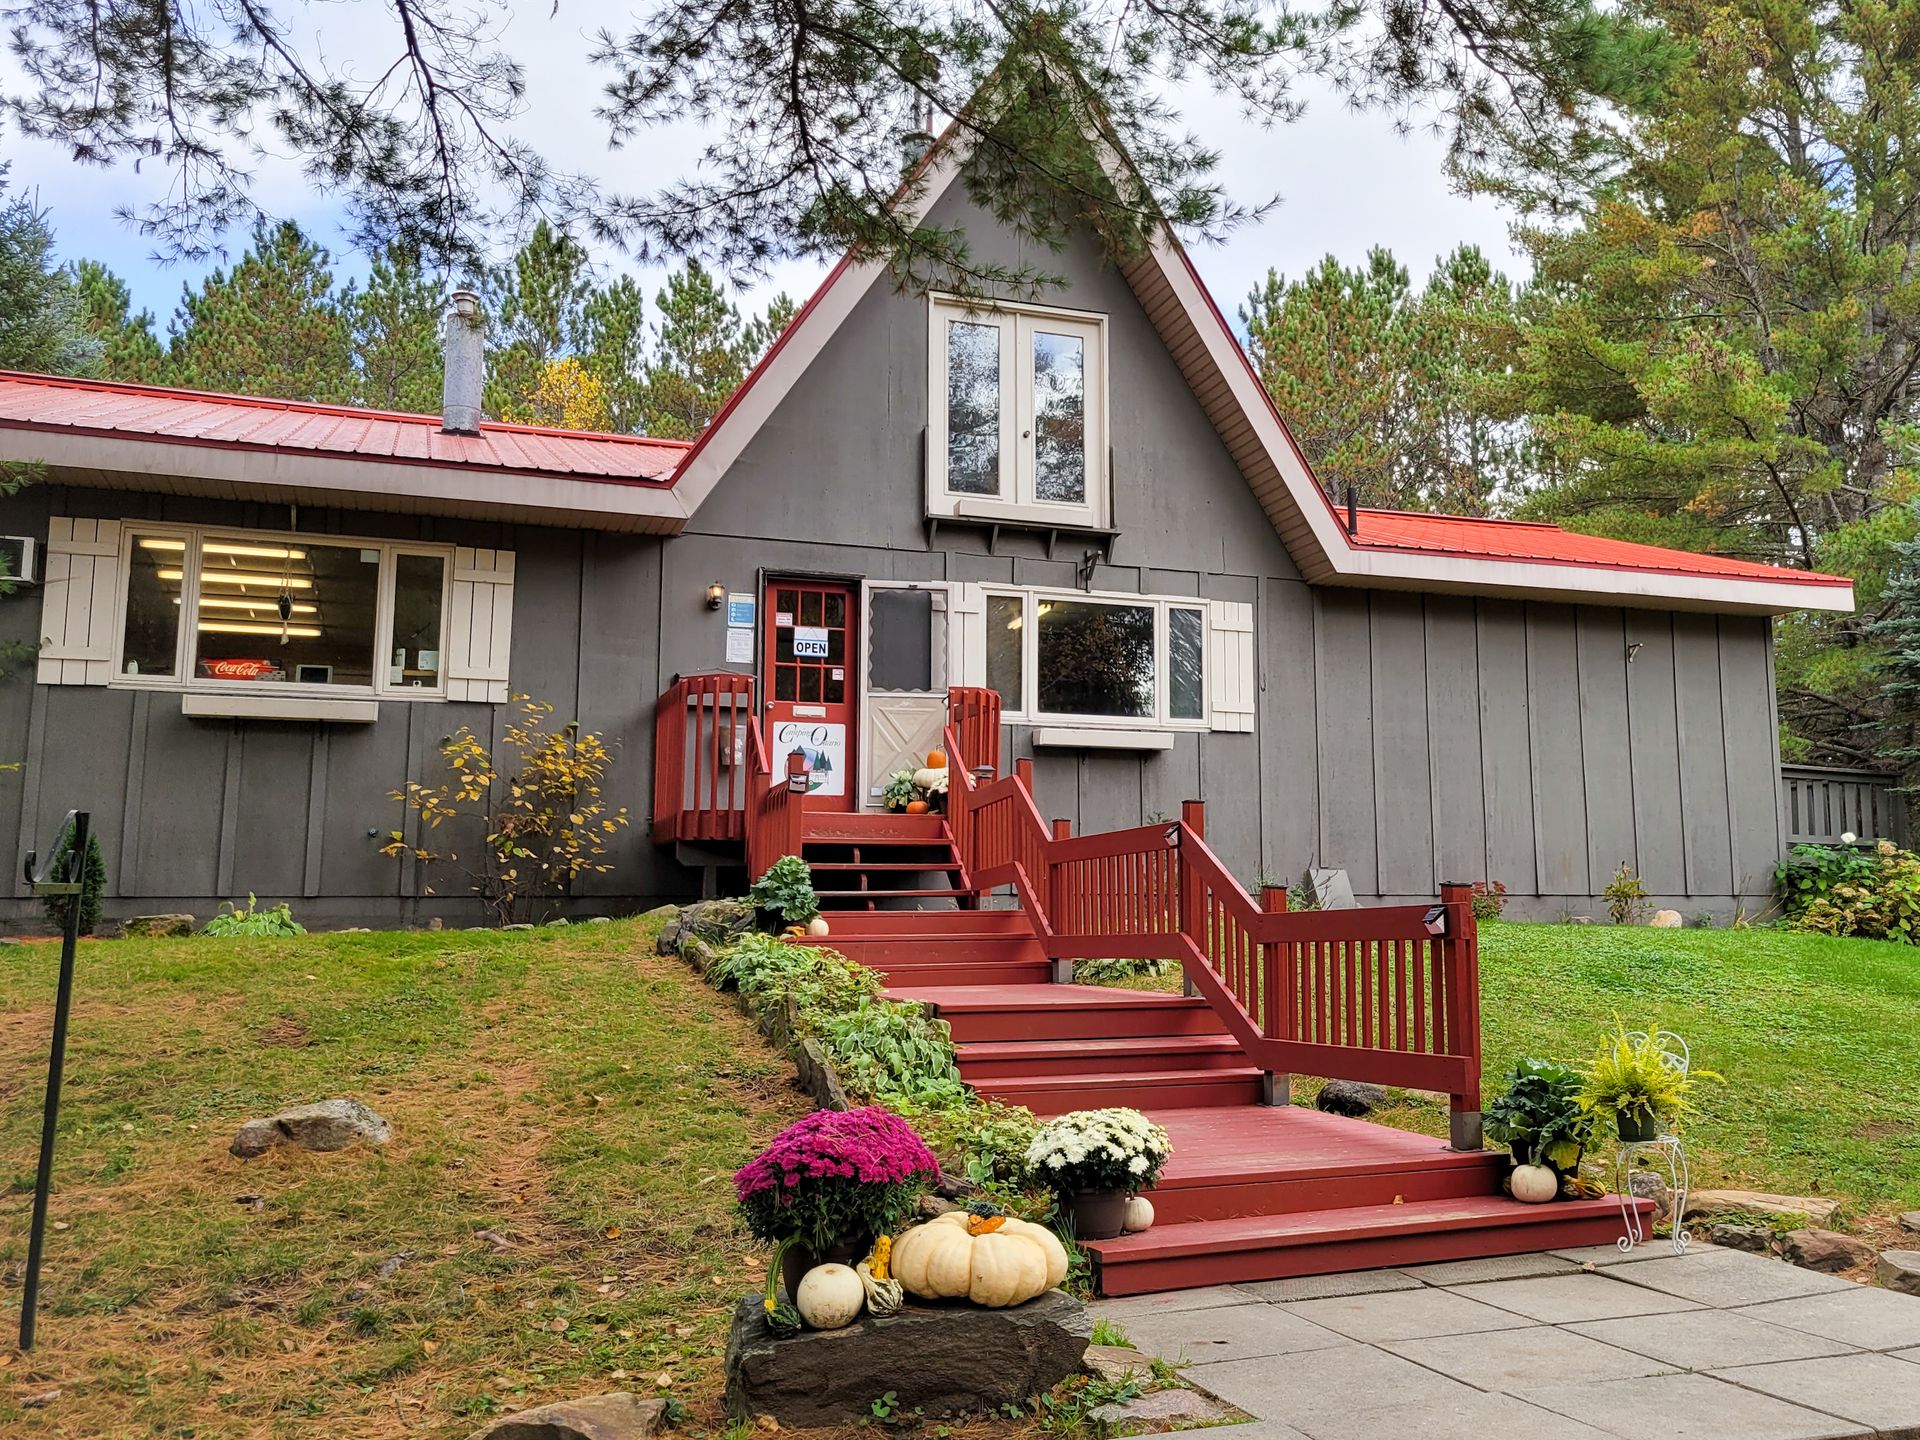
(830, 1296)
(1139, 1215)
(933, 782)
(1534, 1184)
(817, 925)
(968, 1257)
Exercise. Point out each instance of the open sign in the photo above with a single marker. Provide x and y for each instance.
(810, 642)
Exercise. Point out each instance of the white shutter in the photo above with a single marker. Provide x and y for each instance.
(1232, 674)
(966, 633)
(78, 602)
(480, 625)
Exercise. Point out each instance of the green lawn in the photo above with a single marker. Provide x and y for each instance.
(567, 1090)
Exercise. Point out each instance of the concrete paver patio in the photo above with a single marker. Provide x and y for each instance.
(1714, 1345)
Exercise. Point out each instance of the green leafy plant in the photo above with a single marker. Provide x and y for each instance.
(1626, 897)
(1632, 1075)
(275, 920)
(885, 1048)
(1115, 972)
(786, 890)
(1489, 899)
(900, 790)
(93, 883)
(1303, 896)
(987, 1139)
(1539, 1117)
(1843, 892)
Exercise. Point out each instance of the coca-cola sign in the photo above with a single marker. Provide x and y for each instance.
(238, 669)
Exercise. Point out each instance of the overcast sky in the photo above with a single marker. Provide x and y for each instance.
(1346, 181)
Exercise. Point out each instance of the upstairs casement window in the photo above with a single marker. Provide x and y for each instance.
(1017, 426)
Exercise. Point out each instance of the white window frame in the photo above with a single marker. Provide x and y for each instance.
(183, 678)
(1029, 711)
(1018, 500)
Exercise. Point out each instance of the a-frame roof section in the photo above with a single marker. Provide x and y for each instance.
(1456, 557)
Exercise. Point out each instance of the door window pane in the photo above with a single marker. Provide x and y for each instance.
(900, 643)
(153, 605)
(1186, 665)
(1006, 615)
(1095, 659)
(973, 408)
(329, 595)
(1060, 418)
(417, 587)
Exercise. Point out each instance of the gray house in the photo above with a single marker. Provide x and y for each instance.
(256, 620)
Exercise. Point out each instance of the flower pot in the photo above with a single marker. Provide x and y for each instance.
(1096, 1214)
(1637, 1125)
(799, 1259)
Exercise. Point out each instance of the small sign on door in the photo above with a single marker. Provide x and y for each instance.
(810, 642)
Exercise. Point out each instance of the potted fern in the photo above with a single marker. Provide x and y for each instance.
(1635, 1079)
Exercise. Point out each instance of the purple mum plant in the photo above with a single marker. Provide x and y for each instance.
(835, 1178)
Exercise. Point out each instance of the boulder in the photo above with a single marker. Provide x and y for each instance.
(818, 1077)
(1910, 1222)
(1826, 1250)
(1650, 1186)
(157, 925)
(1667, 920)
(1350, 1097)
(1899, 1270)
(948, 1359)
(718, 922)
(1711, 1203)
(619, 1416)
(324, 1125)
(598, 920)
(1755, 1238)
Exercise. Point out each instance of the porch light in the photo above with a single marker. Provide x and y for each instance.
(1436, 921)
(716, 595)
(798, 782)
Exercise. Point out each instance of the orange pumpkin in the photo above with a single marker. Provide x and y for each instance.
(936, 760)
(916, 807)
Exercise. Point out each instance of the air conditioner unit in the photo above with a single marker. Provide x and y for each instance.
(20, 558)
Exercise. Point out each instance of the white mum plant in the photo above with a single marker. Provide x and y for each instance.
(1116, 1149)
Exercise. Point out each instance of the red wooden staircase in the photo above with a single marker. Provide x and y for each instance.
(867, 860)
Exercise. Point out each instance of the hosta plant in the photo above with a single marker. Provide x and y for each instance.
(786, 890)
(1093, 1150)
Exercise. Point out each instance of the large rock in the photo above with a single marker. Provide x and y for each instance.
(618, 1416)
(717, 922)
(1899, 1270)
(1826, 1250)
(941, 1360)
(1755, 1238)
(1910, 1222)
(157, 925)
(324, 1125)
(1649, 1186)
(1712, 1203)
(1667, 920)
(1350, 1097)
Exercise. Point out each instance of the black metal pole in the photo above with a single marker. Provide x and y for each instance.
(56, 1067)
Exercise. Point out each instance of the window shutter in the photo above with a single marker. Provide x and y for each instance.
(1232, 675)
(480, 625)
(966, 633)
(78, 602)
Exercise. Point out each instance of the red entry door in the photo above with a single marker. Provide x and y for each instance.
(811, 704)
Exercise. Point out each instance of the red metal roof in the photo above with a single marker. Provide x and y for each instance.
(1540, 543)
(48, 402)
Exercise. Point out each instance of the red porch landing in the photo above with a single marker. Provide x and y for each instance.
(1253, 1192)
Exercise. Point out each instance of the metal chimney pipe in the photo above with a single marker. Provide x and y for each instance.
(464, 344)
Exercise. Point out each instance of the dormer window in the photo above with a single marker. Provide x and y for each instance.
(1017, 427)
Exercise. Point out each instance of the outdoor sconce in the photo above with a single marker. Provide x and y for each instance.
(716, 595)
(797, 782)
(1436, 921)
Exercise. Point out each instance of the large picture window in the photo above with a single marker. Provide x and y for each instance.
(1018, 416)
(1063, 656)
(224, 609)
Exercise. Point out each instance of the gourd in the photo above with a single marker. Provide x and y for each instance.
(980, 1255)
(1139, 1215)
(1534, 1184)
(829, 1296)
(884, 1295)
(817, 926)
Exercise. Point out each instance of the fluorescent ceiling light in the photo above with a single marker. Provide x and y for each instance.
(230, 602)
(243, 577)
(243, 627)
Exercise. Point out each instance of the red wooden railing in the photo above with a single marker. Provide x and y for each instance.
(1383, 994)
(703, 739)
(973, 714)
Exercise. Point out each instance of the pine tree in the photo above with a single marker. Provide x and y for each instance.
(270, 326)
(1897, 672)
(537, 309)
(699, 354)
(129, 348)
(394, 335)
(42, 323)
(616, 352)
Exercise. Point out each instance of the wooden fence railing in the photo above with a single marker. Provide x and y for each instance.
(1389, 994)
(1824, 803)
(702, 752)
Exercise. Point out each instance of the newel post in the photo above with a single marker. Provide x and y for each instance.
(1023, 771)
(1192, 917)
(1276, 994)
(1056, 883)
(1460, 949)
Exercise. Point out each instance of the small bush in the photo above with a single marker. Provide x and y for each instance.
(277, 920)
(1115, 972)
(93, 883)
(1489, 899)
(892, 1051)
(786, 890)
(1626, 897)
(1875, 896)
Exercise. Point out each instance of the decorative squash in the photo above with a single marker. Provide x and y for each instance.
(884, 1295)
(991, 1259)
(1139, 1215)
(817, 926)
(1534, 1184)
(829, 1296)
(917, 807)
(936, 760)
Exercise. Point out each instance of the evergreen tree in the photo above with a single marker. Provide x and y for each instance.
(393, 329)
(270, 326)
(1897, 634)
(537, 308)
(42, 323)
(616, 352)
(129, 348)
(701, 353)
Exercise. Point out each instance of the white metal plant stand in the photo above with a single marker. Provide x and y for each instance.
(1666, 1147)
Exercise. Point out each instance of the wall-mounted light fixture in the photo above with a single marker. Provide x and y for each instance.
(716, 595)
(1436, 921)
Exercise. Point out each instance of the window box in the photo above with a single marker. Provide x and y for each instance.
(1082, 737)
(229, 706)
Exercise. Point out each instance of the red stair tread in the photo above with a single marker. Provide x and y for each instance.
(1261, 1141)
(1123, 1078)
(962, 998)
(1127, 1046)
